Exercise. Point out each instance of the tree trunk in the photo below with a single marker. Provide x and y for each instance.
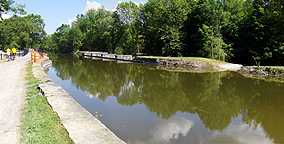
(212, 46)
(212, 35)
(137, 46)
(219, 44)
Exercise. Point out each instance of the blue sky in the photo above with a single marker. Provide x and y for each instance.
(57, 12)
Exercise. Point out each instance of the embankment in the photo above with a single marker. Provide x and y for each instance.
(81, 125)
(267, 73)
(197, 64)
(167, 63)
(263, 70)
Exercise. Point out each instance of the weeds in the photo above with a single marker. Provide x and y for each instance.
(40, 124)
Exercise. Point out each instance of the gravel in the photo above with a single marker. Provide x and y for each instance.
(12, 98)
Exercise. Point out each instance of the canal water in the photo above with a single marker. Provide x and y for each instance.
(144, 105)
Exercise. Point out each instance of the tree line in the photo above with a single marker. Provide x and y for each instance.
(249, 32)
(20, 31)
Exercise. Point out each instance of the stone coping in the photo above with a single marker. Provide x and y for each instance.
(82, 126)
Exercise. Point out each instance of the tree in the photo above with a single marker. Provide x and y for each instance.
(163, 22)
(21, 32)
(128, 13)
(97, 29)
(37, 32)
(75, 35)
(8, 5)
(116, 32)
(260, 34)
(248, 32)
(60, 38)
(204, 29)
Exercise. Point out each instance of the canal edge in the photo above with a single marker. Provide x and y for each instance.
(81, 125)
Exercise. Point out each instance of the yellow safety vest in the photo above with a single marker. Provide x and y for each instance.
(8, 51)
(14, 50)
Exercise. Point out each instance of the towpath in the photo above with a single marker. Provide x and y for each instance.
(12, 98)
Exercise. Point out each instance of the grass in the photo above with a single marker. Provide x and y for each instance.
(206, 60)
(40, 124)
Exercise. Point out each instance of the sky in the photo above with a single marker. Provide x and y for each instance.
(57, 12)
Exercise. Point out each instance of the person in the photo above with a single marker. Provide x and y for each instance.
(8, 51)
(14, 52)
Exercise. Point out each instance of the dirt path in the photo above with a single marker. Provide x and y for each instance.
(12, 93)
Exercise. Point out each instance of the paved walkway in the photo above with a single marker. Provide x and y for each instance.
(12, 98)
(231, 67)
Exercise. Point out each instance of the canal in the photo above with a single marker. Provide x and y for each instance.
(144, 105)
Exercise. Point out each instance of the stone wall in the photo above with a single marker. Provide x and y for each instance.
(264, 71)
(172, 62)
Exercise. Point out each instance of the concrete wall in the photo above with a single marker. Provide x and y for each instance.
(112, 56)
(106, 56)
(124, 57)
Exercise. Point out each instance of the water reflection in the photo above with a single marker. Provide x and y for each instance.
(216, 98)
(165, 130)
(239, 133)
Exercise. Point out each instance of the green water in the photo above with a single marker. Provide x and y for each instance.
(144, 105)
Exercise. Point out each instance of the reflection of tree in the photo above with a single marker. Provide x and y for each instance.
(215, 97)
(265, 107)
(162, 93)
(219, 104)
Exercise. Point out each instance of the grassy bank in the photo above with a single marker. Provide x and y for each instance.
(205, 60)
(40, 124)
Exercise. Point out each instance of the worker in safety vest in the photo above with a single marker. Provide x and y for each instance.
(8, 51)
(14, 52)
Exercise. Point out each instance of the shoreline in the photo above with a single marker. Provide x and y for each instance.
(81, 125)
(195, 64)
(199, 64)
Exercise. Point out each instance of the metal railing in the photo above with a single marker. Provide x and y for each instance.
(19, 53)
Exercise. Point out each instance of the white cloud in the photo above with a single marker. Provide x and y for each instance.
(119, 2)
(92, 5)
(139, 3)
(93, 96)
(70, 21)
(165, 130)
(89, 5)
(239, 133)
(6, 16)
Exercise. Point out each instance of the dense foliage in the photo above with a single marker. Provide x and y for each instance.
(249, 32)
(10, 6)
(21, 32)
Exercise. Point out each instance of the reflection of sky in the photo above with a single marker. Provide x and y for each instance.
(165, 130)
(134, 123)
(239, 133)
(93, 96)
